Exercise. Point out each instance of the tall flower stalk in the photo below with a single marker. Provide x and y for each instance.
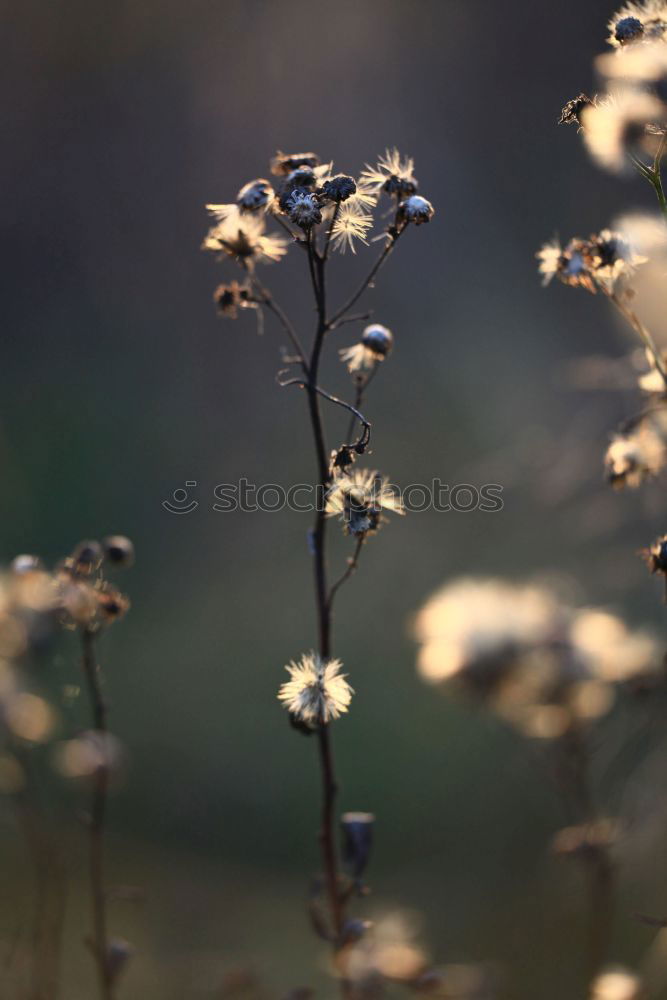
(624, 128)
(90, 604)
(323, 212)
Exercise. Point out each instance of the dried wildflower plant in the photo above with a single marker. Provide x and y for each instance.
(624, 127)
(35, 603)
(553, 673)
(319, 212)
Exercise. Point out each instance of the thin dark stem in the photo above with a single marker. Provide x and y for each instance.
(356, 415)
(98, 705)
(356, 318)
(393, 240)
(362, 384)
(640, 330)
(271, 304)
(656, 179)
(595, 855)
(283, 225)
(653, 173)
(352, 564)
(327, 768)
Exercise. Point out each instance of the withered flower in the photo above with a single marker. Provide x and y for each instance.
(316, 692)
(285, 163)
(231, 297)
(571, 111)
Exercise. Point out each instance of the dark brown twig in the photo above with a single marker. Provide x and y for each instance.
(99, 942)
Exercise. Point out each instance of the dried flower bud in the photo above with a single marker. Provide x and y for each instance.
(378, 339)
(88, 754)
(353, 931)
(628, 29)
(357, 828)
(285, 163)
(230, 298)
(341, 459)
(570, 113)
(415, 209)
(316, 692)
(656, 556)
(339, 188)
(585, 839)
(255, 195)
(26, 564)
(119, 952)
(303, 208)
(111, 604)
(119, 550)
(87, 557)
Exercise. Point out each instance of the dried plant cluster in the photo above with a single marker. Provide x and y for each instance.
(558, 674)
(316, 212)
(35, 605)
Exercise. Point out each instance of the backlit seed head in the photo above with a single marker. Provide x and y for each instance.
(415, 209)
(303, 208)
(628, 29)
(255, 195)
(357, 830)
(339, 188)
(571, 111)
(118, 550)
(87, 557)
(229, 298)
(656, 556)
(378, 339)
(285, 163)
(26, 564)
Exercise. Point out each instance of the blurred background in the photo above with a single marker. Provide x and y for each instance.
(119, 383)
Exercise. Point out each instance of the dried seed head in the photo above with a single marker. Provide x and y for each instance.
(357, 829)
(360, 497)
(255, 195)
(571, 111)
(285, 163)
(415, 209)
(26, 564)
(392, 174)
(119, 953)
(656, 556)
(87, 558)
(112, 605)
(617, 984)
(628, 29)
(378, 338)
(303, 208)
(119, 550)
(316, 692)
(230, 298)
(341, 459)
(339, 188)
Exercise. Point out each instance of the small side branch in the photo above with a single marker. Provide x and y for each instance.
(352, 564)
(640, 330)
(364, 438)
(393, 240)
(267, 300)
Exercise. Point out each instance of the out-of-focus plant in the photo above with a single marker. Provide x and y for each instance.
(90, 603)
(321, 212)
(551, 672)
(624, 128)
(34, 605)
